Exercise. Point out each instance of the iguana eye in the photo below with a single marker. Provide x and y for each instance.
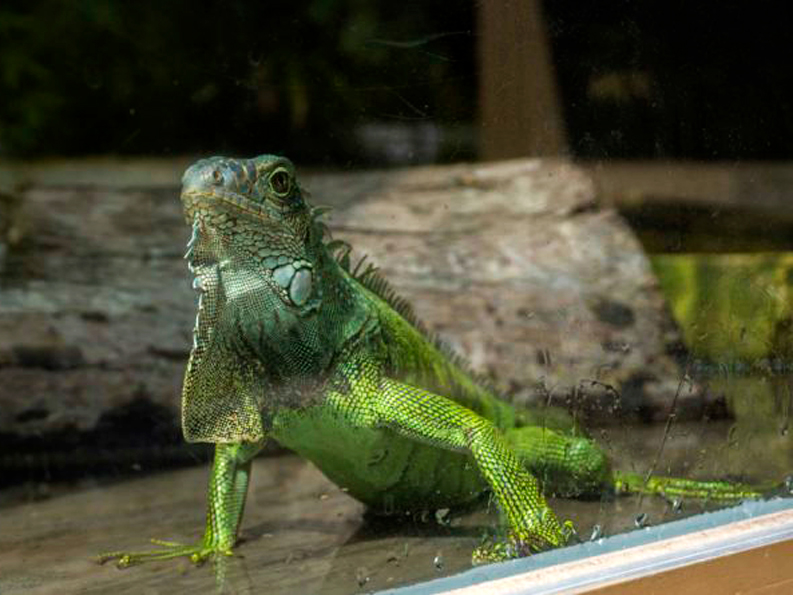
(281, 182)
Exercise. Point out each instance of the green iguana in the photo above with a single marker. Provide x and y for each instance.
(291, 344)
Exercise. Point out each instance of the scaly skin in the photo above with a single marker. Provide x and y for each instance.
(290, 344)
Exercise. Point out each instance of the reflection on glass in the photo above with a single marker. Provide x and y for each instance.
(656, 344)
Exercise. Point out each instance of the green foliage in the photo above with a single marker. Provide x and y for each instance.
(731, 307)
(111, 76)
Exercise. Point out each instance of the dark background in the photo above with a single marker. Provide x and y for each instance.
(343, 82)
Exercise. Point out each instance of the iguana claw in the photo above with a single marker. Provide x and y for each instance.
(495, 549)
(197, 553)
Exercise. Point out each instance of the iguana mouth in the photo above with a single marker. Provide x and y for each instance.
(196, 202)
(219, 180)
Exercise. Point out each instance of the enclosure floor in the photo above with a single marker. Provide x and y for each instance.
(301, 534)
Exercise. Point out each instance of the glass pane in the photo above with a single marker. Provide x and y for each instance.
(577, 285)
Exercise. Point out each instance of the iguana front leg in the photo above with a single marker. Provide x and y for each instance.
(421, 415)
(228, 486)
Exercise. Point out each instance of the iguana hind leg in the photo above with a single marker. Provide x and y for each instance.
(228, 486)
(567, 466)
(576, 466)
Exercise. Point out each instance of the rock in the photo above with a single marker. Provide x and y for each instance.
(516, 265)
(513, 263)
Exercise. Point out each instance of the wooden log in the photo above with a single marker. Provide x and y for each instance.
(513, 263)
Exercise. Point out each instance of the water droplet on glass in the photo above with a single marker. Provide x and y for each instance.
(569, 532)
(362, 576)
(92, 78)
(442, 516)
(640, 520)
(597, 533)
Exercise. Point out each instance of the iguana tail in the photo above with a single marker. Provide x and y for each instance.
(675, 487)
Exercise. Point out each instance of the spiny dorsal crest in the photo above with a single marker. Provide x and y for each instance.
(368, 275)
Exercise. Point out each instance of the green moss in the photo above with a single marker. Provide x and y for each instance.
(732, 308)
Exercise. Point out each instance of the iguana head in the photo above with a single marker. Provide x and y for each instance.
(253, 204)
(253, 254)
(263, 189)
(254, 209)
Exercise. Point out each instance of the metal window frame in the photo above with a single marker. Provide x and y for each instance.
(730, 550)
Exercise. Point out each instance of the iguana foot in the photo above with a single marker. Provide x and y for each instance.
(499, 549)
(198, 553)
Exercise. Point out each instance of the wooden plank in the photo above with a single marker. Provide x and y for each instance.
(701, 207)
(757, 187)
(520, 112)
(763, 570)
